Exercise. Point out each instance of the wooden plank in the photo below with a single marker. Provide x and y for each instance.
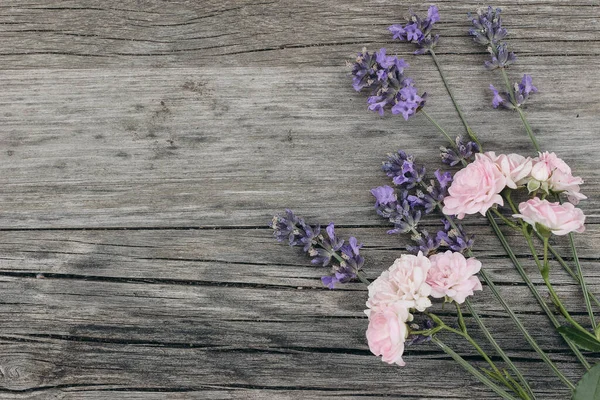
(117, 366)
(186, 147)
(239, 256)
(84, 34)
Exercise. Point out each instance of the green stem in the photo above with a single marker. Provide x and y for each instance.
(451, 94)
(544, 268)
(513, 316)
(529, 130)
(504, 219)
(499, 350)
(564, 265)
(533, 289)
(506, 307)
(438, 127)
(465, 334)
(482, 378)
(586, 294)
(510, 90)
(363, 278)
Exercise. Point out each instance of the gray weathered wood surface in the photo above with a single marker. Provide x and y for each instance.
(146, 144)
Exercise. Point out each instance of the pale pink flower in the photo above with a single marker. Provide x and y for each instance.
(475, 188)
(387, 332)
(403, 281)
(550, 172)
(453, 275)
(560, 219)
(514, 167)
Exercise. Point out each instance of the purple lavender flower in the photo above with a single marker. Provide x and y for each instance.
(487, 27)
(328, 247)
(384, 195)
(464, 152)
(390, 89)
(488, 31)
(521, 94)
(344, 258)
(418, 30)
(444, 179)
(424, 242)
(434, 193)
(501, 57)
(523, 90)
(404, 214)
(348, 269)
(454, 239)
(403, 171)
(497, 100)
(426, 324)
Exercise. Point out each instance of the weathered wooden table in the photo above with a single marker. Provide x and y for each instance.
(145, 146)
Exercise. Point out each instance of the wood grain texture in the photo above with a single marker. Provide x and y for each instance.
(145, 145)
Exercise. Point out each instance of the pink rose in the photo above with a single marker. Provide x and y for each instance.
(550, 172)
(453, 275)
(560, 219)
(514, 167)
(403, 281)
(475, 188)
(387, 332)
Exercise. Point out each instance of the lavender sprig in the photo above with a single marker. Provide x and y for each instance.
(344, 258)
(390, 89)
(416, 197)
(463, 153)
(488, 31)
(418, 30)
(454, 237)
(517, 98)
(402, 169)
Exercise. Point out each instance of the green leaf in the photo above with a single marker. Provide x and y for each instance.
(584, 340)
(588, 388)
(597, 332)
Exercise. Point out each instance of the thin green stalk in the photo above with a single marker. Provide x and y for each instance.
(564, 265)
(513, 316)
(504, 219)
(506, 307)
(544, 269)
(499, 375)
(529, 130)
(533, 289)
(499, 350)
(482, 378)
(437, 126)
(586, 294)
(363, 278)
(451, 94)
(510, 90)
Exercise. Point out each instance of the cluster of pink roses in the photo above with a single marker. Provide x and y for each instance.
(477, 187)
(407, 286)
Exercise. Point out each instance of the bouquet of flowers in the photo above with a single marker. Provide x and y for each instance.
(534, 195)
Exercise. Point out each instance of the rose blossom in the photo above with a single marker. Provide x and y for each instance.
(558, 218)
(556, 174)
(452, 275)
(403, 281)
(513, 166)
(475, 188)
(387, 332)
